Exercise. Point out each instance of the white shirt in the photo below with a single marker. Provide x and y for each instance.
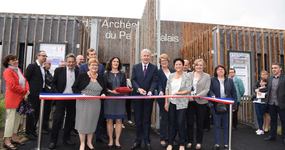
(43, 72)
(195, 84)
(175, 87)
(70, 78)
(144, 65)
(167, 74)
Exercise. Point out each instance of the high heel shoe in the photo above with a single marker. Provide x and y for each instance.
(110, 146)
(118, 147)
(9, 146)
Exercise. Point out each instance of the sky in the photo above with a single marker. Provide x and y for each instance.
(251, 13)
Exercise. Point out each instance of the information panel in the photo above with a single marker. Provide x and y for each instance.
(240, 61)
(55, 53)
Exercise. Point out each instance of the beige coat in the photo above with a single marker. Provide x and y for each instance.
(203, 86)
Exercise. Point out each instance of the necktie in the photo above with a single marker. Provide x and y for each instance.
(144, 70)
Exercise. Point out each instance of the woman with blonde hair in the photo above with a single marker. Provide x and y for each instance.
(197, 106)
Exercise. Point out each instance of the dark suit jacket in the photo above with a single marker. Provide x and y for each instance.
(147, 82)
(162, 79)
(280, 91)
(215, 89)
(84, 68)
(34, 76)
(59, 80)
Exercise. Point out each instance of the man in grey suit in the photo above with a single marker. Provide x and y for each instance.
(276, 100)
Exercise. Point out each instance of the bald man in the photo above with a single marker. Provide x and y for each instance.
(79, 61)
(186, 66)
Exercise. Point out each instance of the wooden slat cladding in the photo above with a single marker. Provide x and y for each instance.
(265, 42)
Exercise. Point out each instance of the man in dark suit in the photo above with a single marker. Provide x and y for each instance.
(79, 61)
(91, 53)
(35, 75)
(101, 126)
(62, 82)
(276, 100)
(144, 79)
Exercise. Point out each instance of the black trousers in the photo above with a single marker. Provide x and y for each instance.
(200, 111)
(207, 121)
(61, 106)
(31, 120)
(176, 119)
(235, 117)
(163, 121)
(47, 114)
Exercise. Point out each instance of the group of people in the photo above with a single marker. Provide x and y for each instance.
(87, 115)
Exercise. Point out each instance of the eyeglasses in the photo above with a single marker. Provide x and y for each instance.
(220, 69)
(95, 65)
(43, 55)
(164, 61)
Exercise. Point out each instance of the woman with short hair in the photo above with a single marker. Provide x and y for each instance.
(197, 106)
(178, 83)
(17, 90)
(163, 75)
(222, 87)
(88, 110)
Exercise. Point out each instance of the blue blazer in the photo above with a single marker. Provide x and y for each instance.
(162, 79)
(215, 89)
(84, 68)
(147, 82)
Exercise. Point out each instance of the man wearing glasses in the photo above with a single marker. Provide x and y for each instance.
(62, 82)
(35, 75)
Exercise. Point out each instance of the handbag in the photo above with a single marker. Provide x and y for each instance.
(25, 108)
(221, 108)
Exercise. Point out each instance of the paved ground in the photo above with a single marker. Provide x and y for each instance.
(244, 138)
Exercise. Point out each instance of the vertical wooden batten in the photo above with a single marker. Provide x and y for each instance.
(26, 43)
(10, 35)
(273, 46)
(237, 43)
(268, 52)
(35, 38)
(58, 28)
(17, 36)
(278, 47)
(225, 48)
(3, 49)
(218, 44)
(255, 55)
(66, 28)
(243, 39)
(231, 38)
(50, 30)
(43, 29)
(262, 50)
(73, 35)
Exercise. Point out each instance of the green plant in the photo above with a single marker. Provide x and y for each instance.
(2, 110)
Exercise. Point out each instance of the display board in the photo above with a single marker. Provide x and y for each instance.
(55, 51)
(240, 61)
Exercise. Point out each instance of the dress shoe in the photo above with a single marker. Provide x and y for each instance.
(147, 147)
(44, 131)
(89, 147)
(189, 145)
(270, 138)
(31, 137)
(9, 146)
(198, 146)
(216, 147)
(136, 146)
(68, 142)
(17, 143)
(72, 133)
(226, 147)
(52, 146)
(101, 140)
(206, 130)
